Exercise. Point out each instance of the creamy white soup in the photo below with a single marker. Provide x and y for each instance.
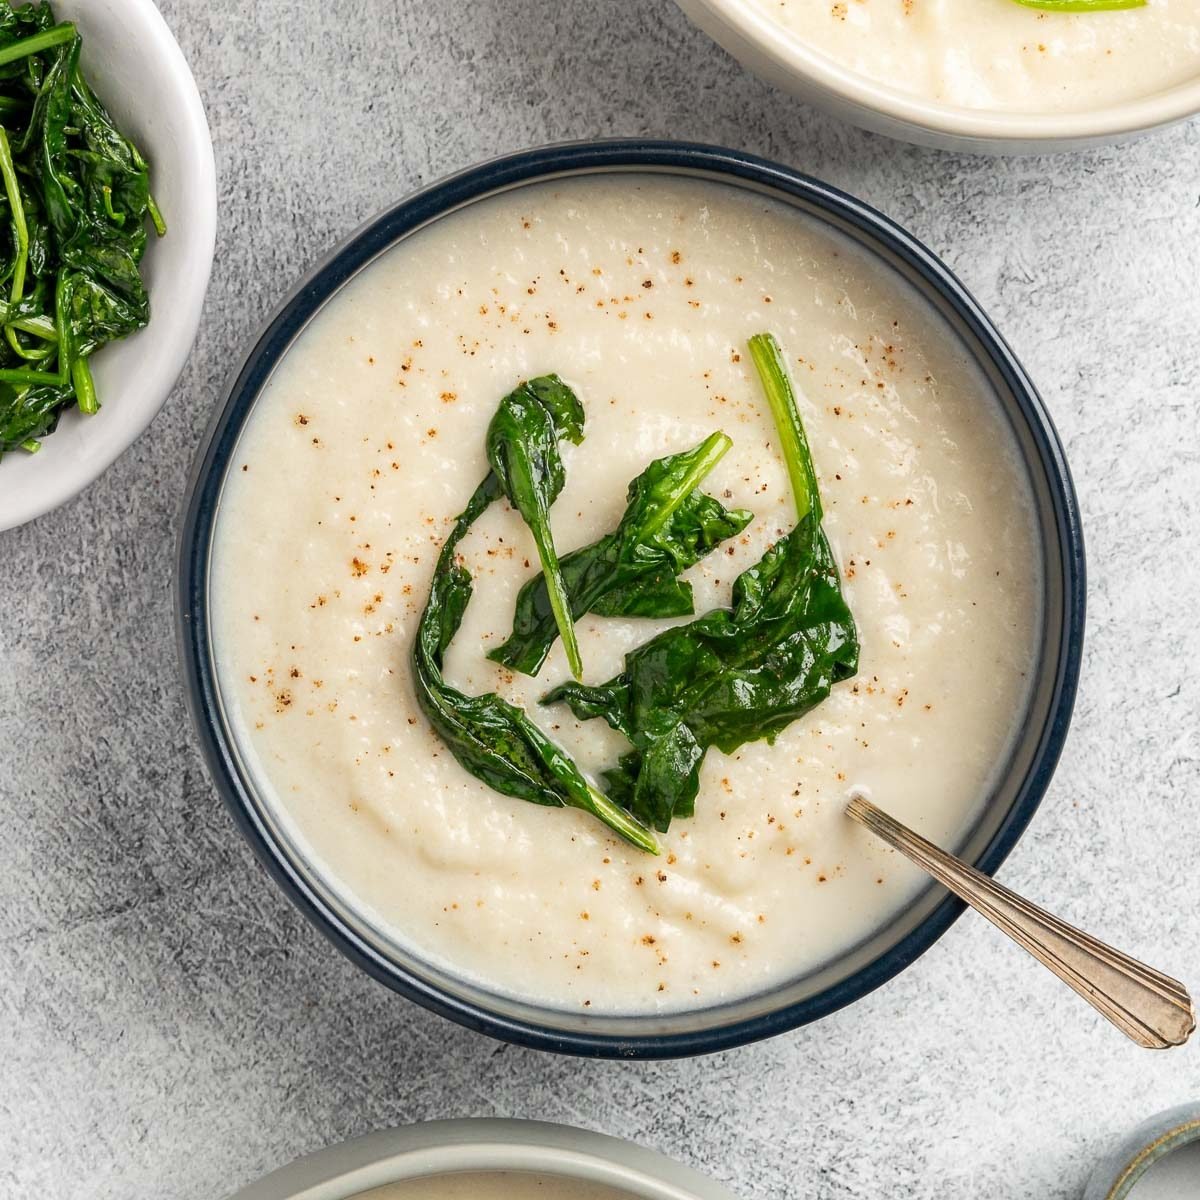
(494, 1185)
(1000, 55)
(639, 291)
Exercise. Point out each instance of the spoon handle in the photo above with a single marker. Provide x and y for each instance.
(1150, 1008)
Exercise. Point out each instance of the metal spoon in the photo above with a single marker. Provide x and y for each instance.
(1150, 1008)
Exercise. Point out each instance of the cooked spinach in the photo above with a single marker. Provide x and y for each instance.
(494, 740)
(733, 675)
(522, 447)
(76, 201)
(668, 526)
(1068, 6)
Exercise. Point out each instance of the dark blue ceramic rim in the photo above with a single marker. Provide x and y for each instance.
(1061, 532)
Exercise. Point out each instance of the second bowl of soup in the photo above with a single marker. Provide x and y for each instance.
(361, 426)
(486, 1159)
(992, 76)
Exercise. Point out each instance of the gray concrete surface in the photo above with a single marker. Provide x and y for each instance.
(169, 1026)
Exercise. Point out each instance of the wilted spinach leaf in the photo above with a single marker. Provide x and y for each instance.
(733, 675)
(492, 739)
(522, 446)
(668, 526)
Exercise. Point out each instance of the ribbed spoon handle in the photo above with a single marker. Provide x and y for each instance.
(1152, 1009)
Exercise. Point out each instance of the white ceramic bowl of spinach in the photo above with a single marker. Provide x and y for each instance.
(136, 69)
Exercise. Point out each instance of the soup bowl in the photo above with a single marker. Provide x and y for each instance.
(436, 1149)
(786, 61)
(1021, 779)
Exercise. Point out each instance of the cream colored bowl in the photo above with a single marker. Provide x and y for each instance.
(784, 60)
(438, 1148)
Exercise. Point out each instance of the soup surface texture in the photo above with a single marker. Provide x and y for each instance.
(494, 1185)
(641, 292)
(1000, 55)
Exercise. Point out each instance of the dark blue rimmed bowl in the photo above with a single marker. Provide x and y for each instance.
(1016, 796)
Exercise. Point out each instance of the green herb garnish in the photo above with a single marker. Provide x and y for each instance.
(76, 199)
(668, 526)
(522, 446)
(734, 675)
(1070, 6)
(494, 740)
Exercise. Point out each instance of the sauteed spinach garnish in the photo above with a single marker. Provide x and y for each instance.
(733, 675)
(522, 446)
(76, 198)
(668, 526)
(494, 740)
(1075, 6)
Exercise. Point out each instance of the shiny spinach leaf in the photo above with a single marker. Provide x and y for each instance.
(522, 447)
(668, 526)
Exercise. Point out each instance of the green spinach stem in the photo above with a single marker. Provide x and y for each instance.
(30, 377)
(1078, 6)
(12, 189)
(781, 396)
(35, 355)
(619, 821)
(38, 42)
(560, 603)
(118, 218)
(712, 450)
(160, 226)
(85, 388)
(41, 327)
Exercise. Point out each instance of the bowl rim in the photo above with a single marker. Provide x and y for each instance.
(1037, 130)
(429, 1149)
(217, 742)
(176, 331)
(1125, 1162)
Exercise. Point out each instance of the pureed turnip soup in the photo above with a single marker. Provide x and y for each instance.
(1002, 55)
(640, 292)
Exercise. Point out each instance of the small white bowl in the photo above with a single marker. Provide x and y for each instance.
(784, 60)
(453, 1147)
(136, 67)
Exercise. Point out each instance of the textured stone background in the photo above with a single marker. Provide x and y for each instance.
(169, 1027)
